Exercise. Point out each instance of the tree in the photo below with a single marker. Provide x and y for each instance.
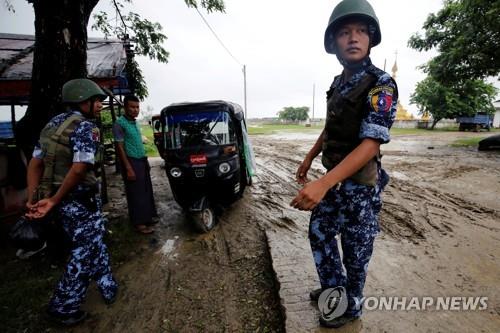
(466, 34)
(443, 101)
(294, 114)
(60, 54)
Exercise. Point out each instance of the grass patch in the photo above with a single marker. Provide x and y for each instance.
(468, 142)
(27, 285)
(275, 128)
(25, 289)
(410, 131)
(149, 146)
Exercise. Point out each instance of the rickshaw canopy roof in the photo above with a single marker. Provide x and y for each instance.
(234, 109)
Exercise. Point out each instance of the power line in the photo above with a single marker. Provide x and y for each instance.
(232, 56)
(217, 37)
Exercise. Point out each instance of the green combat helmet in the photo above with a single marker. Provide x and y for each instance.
(80, 90)
(346, 9)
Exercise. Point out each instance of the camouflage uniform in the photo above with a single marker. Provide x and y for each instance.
(80, 215)
(352, 209)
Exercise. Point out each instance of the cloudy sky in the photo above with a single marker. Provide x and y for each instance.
(279, 41)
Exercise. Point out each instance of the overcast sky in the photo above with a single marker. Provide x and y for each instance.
(280, 42)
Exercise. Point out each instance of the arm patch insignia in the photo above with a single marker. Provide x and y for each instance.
(95, 135)
(381, 98)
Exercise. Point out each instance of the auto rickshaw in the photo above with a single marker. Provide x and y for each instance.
(208, 156)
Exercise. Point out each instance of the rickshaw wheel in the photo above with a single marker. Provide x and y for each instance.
(204, 220)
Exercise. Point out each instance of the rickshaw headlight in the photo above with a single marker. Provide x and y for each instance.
(224, 167)
(175, 172)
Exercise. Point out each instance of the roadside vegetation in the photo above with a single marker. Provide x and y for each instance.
(149, 145)
(468, 142)
(262, 129)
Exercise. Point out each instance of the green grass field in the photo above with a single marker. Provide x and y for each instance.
(150, 147)
(279, 128)
(275, 128)
(467, 142)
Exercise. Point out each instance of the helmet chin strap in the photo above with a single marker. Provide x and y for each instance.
(353, 66)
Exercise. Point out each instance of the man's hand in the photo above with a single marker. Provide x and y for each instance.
(310, 196)
(40, 209)
(301, 174)
(130, 174)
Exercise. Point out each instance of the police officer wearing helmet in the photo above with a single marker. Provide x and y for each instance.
(62, 182)
(361, 106)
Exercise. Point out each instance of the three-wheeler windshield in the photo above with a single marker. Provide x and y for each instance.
(192, 129)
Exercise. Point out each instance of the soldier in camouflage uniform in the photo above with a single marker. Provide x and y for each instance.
(62, 182)
(361, 106)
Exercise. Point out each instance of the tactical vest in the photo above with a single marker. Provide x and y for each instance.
(343, 121)
(132, 141)
(58, 158)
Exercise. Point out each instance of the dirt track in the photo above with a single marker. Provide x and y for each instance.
(440, 234)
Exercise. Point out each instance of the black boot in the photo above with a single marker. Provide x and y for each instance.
(112, 299)
(67, 319)
(337, 322)
(314, 295)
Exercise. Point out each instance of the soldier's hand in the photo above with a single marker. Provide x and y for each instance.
(301, 174)
(310, 196)
(30, 209)
(40, 209)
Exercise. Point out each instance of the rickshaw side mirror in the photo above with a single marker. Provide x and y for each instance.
(157, 125)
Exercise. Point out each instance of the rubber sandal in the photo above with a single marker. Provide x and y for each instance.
(144, 229)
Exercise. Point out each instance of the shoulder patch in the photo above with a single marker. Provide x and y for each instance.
(95, 134)
(381, 98)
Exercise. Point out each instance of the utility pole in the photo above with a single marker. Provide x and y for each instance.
(245, 88)
(314, 93)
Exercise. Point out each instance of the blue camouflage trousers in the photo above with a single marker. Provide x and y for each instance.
(350, 211)
(89, 256)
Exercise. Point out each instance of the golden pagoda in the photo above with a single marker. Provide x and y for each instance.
(426, 116)
(401, 113)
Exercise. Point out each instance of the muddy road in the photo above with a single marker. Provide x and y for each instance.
(440, 237)
(440, 227)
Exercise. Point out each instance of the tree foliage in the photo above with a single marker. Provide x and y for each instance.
(147, 36)
(466, 33)
(60, 53)
(294, 113)
(443, 102)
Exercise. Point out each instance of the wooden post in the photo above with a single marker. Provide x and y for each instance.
(13, 115)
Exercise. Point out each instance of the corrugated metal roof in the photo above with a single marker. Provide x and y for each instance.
(106, 58)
